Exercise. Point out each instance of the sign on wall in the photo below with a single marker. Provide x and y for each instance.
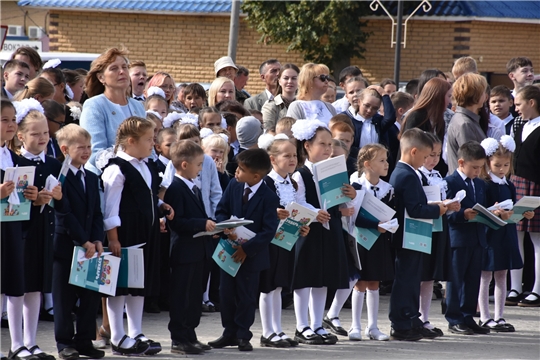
(12, 45)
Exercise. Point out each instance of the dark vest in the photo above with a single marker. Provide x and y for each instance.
(527, 155)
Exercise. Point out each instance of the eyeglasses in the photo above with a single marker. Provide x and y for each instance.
(167, 87)
(61, 124)
(323, 77)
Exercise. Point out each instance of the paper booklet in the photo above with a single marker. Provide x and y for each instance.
(460, 195)
(131, 273)
(96, 274)
(433, 195)
(224, 250)
(289, 229)
(348, 222)
(64, 169)
(526, 203)
(417, 234)
(233, 222)
(329, 176)
(16, 207)
(375, 210)
(50, 183)
(486, 217)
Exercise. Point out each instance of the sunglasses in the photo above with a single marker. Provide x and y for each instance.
(56, 122)
(323, 77)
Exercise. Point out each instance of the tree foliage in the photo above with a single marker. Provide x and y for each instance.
(325, 32)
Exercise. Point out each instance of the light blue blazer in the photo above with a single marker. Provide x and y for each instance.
(101, 118)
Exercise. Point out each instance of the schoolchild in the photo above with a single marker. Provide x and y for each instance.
(15, 75)
(155, 101)
(520, 71)
(209, 117)
(344, 132)
(165, 138)
(217, 147)
(501, 102)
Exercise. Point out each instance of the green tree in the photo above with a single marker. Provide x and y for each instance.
(327, 32)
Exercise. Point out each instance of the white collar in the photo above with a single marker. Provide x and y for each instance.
(498, 180)
(253, 188)
(357, 116)
(509, 118)
(163, 159)
(309, 165)
(9, 95)
(533, 122)
(278, 178)
(463, 176)
(30, 156)
(75, 170)
(415, 170)
(429, 172)
(398, 125)
(383, 186)
(125, 156)
(269, 94)
(190, 184)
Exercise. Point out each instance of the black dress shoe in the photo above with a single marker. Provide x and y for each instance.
(68, 354)
(152, 307)
(15, 354)
(208, 307)
(204, 347)
(244, 345)
(292, 342)
(42, 355)
(514, 299)
(139, 348)
(313, 339)
(223, 341)
(328, 339)
(405, 335)
(45, 315)
(327, 323)
(91, 353)
(427, 333)
(185, 348)
(478, 329)
(460, 329)
(153, 346)
(280, 343)
(530, 303)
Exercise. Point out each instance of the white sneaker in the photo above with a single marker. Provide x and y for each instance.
(355, 335)
(376, 334)
(99, 344)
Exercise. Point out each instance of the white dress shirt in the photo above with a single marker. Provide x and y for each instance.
(529, 127)
(369, 134)
(25, 153)
(253, 189)
(301, 193)
(5, 158)
(74, 170)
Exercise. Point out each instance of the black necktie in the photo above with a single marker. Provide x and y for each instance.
(471, 188)
(375, 189)
(140, 98)
(285, 182)
(245, 198)
(80, 176)
(197, 192)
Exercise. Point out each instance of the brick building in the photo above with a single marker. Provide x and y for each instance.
(186, 37)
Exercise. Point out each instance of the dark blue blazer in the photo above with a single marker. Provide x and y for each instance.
(409, 195)
(160, 166)
(261, 208)
(189, 219)
(462, 232)
(382, 124)
(78, 215)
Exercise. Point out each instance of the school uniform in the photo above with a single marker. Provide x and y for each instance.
(165, 244)
(281, 261)
(410, 196)
(187, 258)
(161, 164)
(377, 262)
(436, 266)
(467, 240)
(133, 210)
(321, 257)
(238, 295)
(379, 124)
(502, 251)
(12, 241)
(78, 220)
(39, 231)
(232, 164)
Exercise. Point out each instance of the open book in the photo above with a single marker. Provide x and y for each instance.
(227, 224)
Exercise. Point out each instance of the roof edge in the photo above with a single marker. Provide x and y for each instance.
(462, 18)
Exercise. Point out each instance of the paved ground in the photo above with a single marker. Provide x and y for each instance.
(523, 344)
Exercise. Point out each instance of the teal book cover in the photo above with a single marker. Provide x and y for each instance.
(367, 237)
(289, 229)
(97, 273)
(223, 257)
(417, 235)
(23, 177)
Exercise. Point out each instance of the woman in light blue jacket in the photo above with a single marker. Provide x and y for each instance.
(107, 87)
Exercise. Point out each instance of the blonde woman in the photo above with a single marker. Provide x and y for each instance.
(221, 89)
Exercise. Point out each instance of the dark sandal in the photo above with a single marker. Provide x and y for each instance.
(139, 348)
(328, 323)
(328, 339)
(530, 303)
(15, 354)
(313, 339)
(153, 347)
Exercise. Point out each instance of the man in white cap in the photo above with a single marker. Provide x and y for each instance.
(226, 67)
(269, 71)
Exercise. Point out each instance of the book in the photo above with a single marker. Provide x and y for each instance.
(97, 274)
(417, 234)
(375, 210)
(131, 271)
(16, 207)
(329, 176)
(486, 217)
(224, 250)
(289, 229)
(526, 203)
(348, 222)
(433, 195)
(227, 224)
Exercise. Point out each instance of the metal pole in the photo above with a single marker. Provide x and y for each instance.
(233, 30)
(399, 31)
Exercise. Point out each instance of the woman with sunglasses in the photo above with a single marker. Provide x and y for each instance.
(166, 83)
(312, 84)
(109, 103)
(275, 109)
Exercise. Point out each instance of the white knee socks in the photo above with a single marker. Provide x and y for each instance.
(357, 302)
(426, 293)
(317, 301)
(339, 300)
(115, 310)
(15, 318)
(535, 238)
(372, 302)
(483, 296)
(516, 276)
(301, 304)
(32, 302)
(500, 293)
(265, 309)
(276, 311)
(134, 309)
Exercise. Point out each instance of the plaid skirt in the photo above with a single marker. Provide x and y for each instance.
(526, 187)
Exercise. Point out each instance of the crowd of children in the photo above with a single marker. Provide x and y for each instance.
(197, 160)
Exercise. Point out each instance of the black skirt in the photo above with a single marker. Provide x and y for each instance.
(436, 266)
(377, 262)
